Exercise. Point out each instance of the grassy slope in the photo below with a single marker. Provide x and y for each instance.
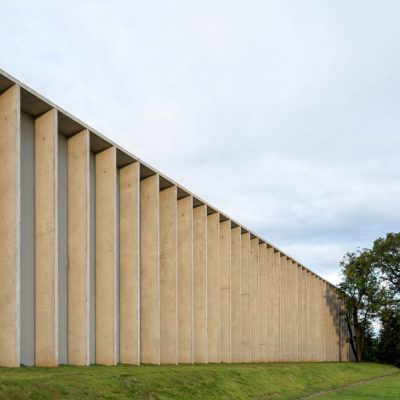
(384, 389)
(237, 381)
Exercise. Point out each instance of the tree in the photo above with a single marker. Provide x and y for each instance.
(388, 349)
(362, 295)
(386, 258)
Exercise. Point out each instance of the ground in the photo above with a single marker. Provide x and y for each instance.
(382, 388)
(234, 381)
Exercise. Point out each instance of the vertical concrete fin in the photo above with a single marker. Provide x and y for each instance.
(277, 306)
(46, 249)
(270, 304)
(236, 280)
(262, 300)
(129, 260)
(150, 270)
(106, 256)
(245, 297)
(290, 315)
(254, 314)
(213, 288)
(300, 313)
(200, 284)
(283, 309)
(78, 248)
(10, 220)
(225, 290)
(168, 276)
(185, 279)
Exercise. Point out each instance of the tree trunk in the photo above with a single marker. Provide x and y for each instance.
(359, 347)
(351, 337)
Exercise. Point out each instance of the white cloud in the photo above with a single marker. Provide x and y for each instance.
(283, 114)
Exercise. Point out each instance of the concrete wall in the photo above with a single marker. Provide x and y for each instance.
(105, 260)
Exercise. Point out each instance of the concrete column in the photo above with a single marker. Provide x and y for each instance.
(308, 333)
(46, 254)
(300, 313)
(168, 277)
(236, 337)
(78, 248)
(296, 316)
(290, 314)
(225, 291)
(270, 304)
(185, 280)
(320, 320)
(149, 271)
(277, 306)
(332, 325)
(344, 346)
(10, 218)
(262, 300)
(326, 326)
(283, 310)
(292, 332)
(129, 264)
(305, 309)
(254, 317)
(200, 284)
(213, 288)
(337, 327)
(313, 309)
(315, 312)
(245, 262)
(106, 256)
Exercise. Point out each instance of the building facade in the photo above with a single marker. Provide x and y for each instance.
(105, 260)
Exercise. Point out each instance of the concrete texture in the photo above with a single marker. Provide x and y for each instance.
(254, 312)
(62, 243)
(236, 275)
(46, 240)
(245, 298)
(168, 277)
(119, 263)
(262, 301)
(10, 131)
(185, 279)
(225, 290)
(270, 304)
(27, 276)
(78, 248)
(283, 356)
(150, 270)
(277, 307)
(129, 276)
(200, 284)
(106, 186)
(213, 289)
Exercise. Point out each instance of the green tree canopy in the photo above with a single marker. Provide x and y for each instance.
(362, 294)
(386, 258)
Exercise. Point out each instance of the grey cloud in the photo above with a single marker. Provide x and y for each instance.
(283, 114)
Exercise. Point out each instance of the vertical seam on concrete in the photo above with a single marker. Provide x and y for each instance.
(18, 225)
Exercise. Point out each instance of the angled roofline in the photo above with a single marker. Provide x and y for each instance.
(35, 105)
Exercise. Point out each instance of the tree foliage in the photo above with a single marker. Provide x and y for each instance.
(386, 258)
(362, 295)
(388, 348)
(370, 290)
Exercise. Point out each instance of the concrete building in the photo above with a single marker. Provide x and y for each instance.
(105, 260)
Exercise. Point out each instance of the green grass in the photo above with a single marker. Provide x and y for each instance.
(383, 389)
(234, 381)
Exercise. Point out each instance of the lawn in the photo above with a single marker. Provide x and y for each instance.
(229, 381)
(383, 389)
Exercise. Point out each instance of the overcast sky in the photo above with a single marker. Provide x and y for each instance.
(283, 114)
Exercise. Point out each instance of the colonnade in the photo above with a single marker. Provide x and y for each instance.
(104, 260)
